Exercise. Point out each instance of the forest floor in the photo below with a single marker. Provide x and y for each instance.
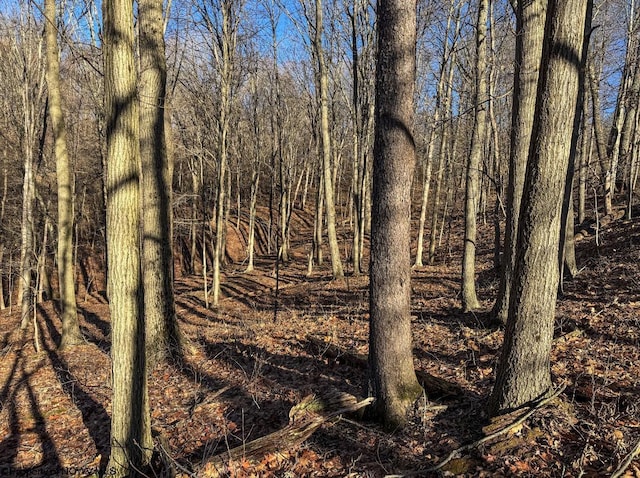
(248, 366)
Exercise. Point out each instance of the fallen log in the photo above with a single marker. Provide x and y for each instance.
(434, 386)
(304, 419)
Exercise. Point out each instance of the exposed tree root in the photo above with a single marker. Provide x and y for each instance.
(455, 453)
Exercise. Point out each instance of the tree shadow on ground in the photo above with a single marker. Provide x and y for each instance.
(94, 416)
(20, 378)
(103, 327)
(257, 414)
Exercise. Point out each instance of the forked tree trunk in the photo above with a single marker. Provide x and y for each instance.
(66, 275)
(392, 379)
(530, 18)
(469, 297)
(524, 372)
(131, 443)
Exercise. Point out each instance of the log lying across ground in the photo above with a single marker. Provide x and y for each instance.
(304, 419)
(434, 386)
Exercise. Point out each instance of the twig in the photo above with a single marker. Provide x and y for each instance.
(170, 461)
(485, 439)
(627, 461)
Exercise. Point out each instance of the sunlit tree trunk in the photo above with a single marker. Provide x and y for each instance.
(524, 372)
(530, 18)
(131, 443)
(28, 56)
(392, 379)
(163, 337)
(227, 47)
(444, 147)
(3, 203)
(439, 108)
(469, 297)
(66, 274)
(325, 141)
(600, 142)
(585, 153)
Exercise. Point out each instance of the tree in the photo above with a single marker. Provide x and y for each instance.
(440, 107)
(131, 442)
(70, 329)
(392, 376)
(524, 371)
(163, 337)
(222, 24)
(27, 55)
(469, 298)
(322, 81)
(530, 19)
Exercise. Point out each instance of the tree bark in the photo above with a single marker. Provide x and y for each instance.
(162, 334)
(601, 146)
(530, 18)
(31, 64)
(524, 372)
(66, 274)
(392, 379)
(131, 443)
(469, 297)
(325, 137)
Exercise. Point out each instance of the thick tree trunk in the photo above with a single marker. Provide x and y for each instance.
(131, 443)
(66, 275)
(392, 377)
(530, 18)
(163, 337)
(524, 372)
(469, 297)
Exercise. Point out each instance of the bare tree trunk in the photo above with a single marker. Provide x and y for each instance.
(585, 154)
(255, 181)
(469, 297)
(3, 203)
(601, 148)
(325, 137)
(131, 444)
(162, 335)
(530, 17)
(524, 372)
(629, 131)
(444, 144)
(392, 379)
(66, 274)
(43, 289)
(227, 46)
(32, 93)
